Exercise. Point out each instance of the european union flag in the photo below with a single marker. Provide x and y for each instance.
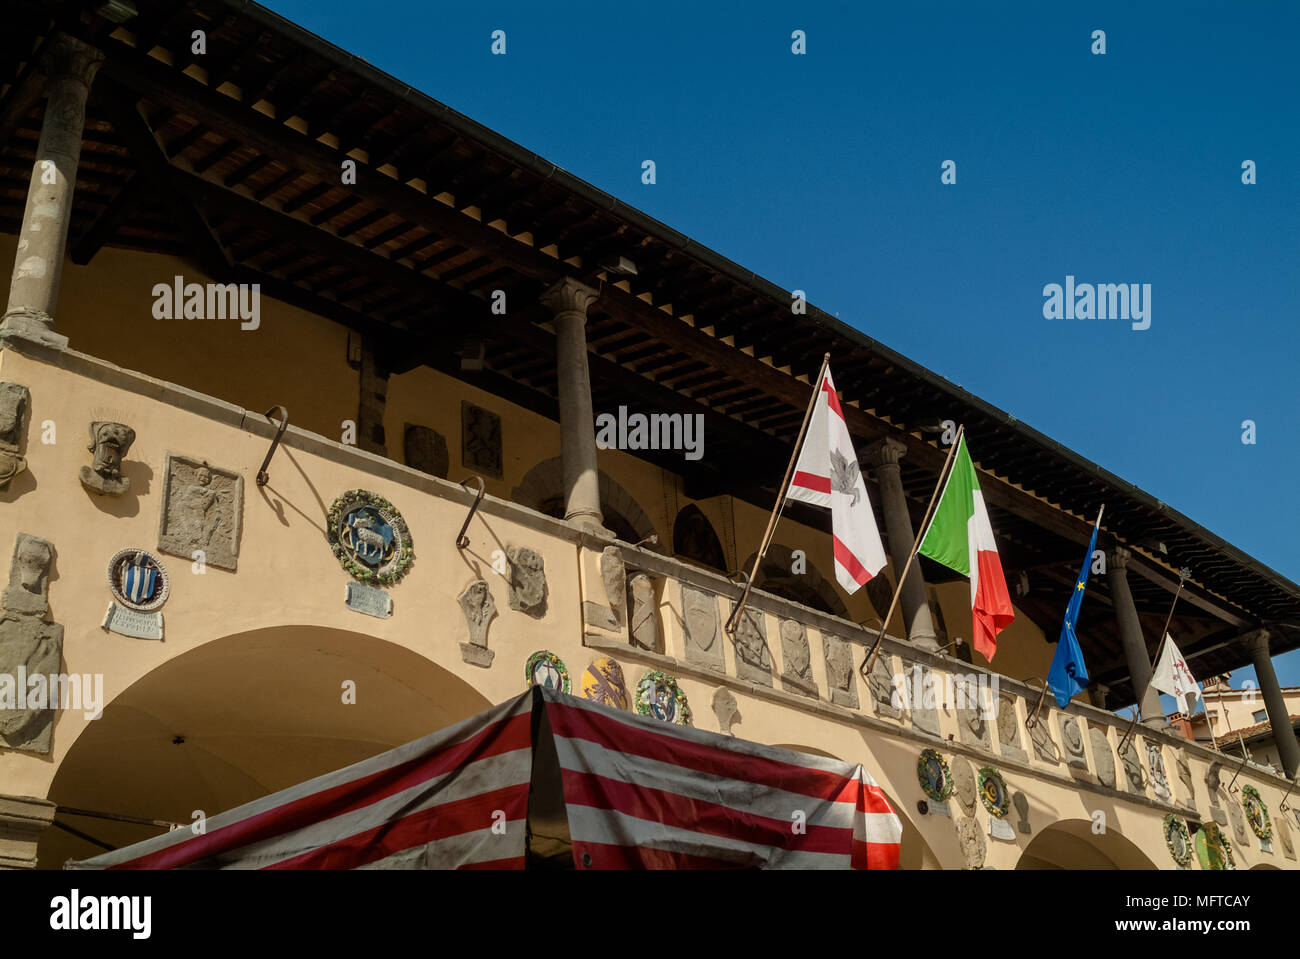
(1068, 675)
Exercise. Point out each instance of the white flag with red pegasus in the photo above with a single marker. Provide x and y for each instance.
(827, 475)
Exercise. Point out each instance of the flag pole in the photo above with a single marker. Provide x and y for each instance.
(870, 661)
(1159, 648)
(730, 627)
(1087, 561)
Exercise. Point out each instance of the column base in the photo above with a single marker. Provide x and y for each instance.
(22, 820)
(31, 327)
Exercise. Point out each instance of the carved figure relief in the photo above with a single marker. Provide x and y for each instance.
(14, 403)
(796, 659)
(202, 507)
(839, 671)
(28, 646)
(479, 609)
(109, 442)
(527, 591)
(753, 658)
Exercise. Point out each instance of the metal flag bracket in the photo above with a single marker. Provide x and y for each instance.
(263, 477)
(1032, 720)
(462, 541)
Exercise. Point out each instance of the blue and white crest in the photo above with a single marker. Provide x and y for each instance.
(138, 579)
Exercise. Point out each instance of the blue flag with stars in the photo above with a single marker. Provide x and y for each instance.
(1068, 675)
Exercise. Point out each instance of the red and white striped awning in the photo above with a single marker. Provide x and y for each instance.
(636, 793)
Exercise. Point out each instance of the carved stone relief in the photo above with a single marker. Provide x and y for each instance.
(480, 440)
(922, 698)
(1133, 771)
(796, 660)
(645, 613)
(1041, 737)
(1187, 794)
(839, 671)
(28, 644)
(426, 450)
(1009, 729)
(613, 577)
(880, 682)
(202, 509)
(527, 590)
(1104, 756)
(1072, 742)
(15, 400)
(703, 634)
(963, 784)
(479, 609)
(753, 658)
(726, 709)
(971, 839)
(1156, 763)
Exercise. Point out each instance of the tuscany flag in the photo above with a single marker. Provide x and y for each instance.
(961, 538)
(827, 474)
(1173, 677)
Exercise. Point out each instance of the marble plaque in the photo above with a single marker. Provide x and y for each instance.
(939, 808)
(366, 599)
(133, 622)
(1001, 829)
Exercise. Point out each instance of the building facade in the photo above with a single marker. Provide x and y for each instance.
(301, 379)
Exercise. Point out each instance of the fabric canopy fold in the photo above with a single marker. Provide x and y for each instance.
(548, 771)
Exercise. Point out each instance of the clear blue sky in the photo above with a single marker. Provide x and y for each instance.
(822, 172)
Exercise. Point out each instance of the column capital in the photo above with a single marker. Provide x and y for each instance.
(1119, 557)
(568, 295)
(886, 452)
(67, 56)
(1257, 641)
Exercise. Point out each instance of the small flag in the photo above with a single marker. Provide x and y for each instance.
(961, 538)
(1173, 677)
(827, 474)
(1068, 675)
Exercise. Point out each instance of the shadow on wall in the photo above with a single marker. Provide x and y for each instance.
(241, 717)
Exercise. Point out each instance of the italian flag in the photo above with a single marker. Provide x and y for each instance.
(961, 538)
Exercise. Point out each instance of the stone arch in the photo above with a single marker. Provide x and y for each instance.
(694, 538)
(1071, 844)
(809, 588)
(254, 712)
(542, 489)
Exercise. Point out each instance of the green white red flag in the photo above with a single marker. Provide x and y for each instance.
(961, 538)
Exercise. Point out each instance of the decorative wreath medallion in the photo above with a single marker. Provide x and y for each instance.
(1178, 840)
(138, 579)
(370, 538)
(544, 668)
(658, 695)
(932, 772)
(1256, 812)
(993, 792)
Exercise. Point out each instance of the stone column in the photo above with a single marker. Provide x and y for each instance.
(1130, 634)
(71, 66)
(1288, 749)
(900, 535)
(568, 300)
(1097, 694)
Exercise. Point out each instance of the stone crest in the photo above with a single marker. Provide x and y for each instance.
(29, 646)
(527, 581)
(14, 403)
(1186, 795)
(880, 683)
(613, 577)
(109, 442)
(796, 660)
(369, 537)
(753, 658)
(1132, 763)
(1040, 735)
(202, 509)
(700, 627)
(726, 709)
(644, 628)
(603, 683)
(972, 721)
(1103, 756)
(839, 671)
(1009, 729)
(963, 783)
(1238, 823)
(544, 668)
(480, 439)
(921, 698)
(1072, 741)
(658, 695)
(426, 450)
(480, 609)
(1156, 762)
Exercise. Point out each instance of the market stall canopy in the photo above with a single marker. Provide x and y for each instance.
(549, 779)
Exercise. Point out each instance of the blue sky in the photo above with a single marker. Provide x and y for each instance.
(822, 172)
